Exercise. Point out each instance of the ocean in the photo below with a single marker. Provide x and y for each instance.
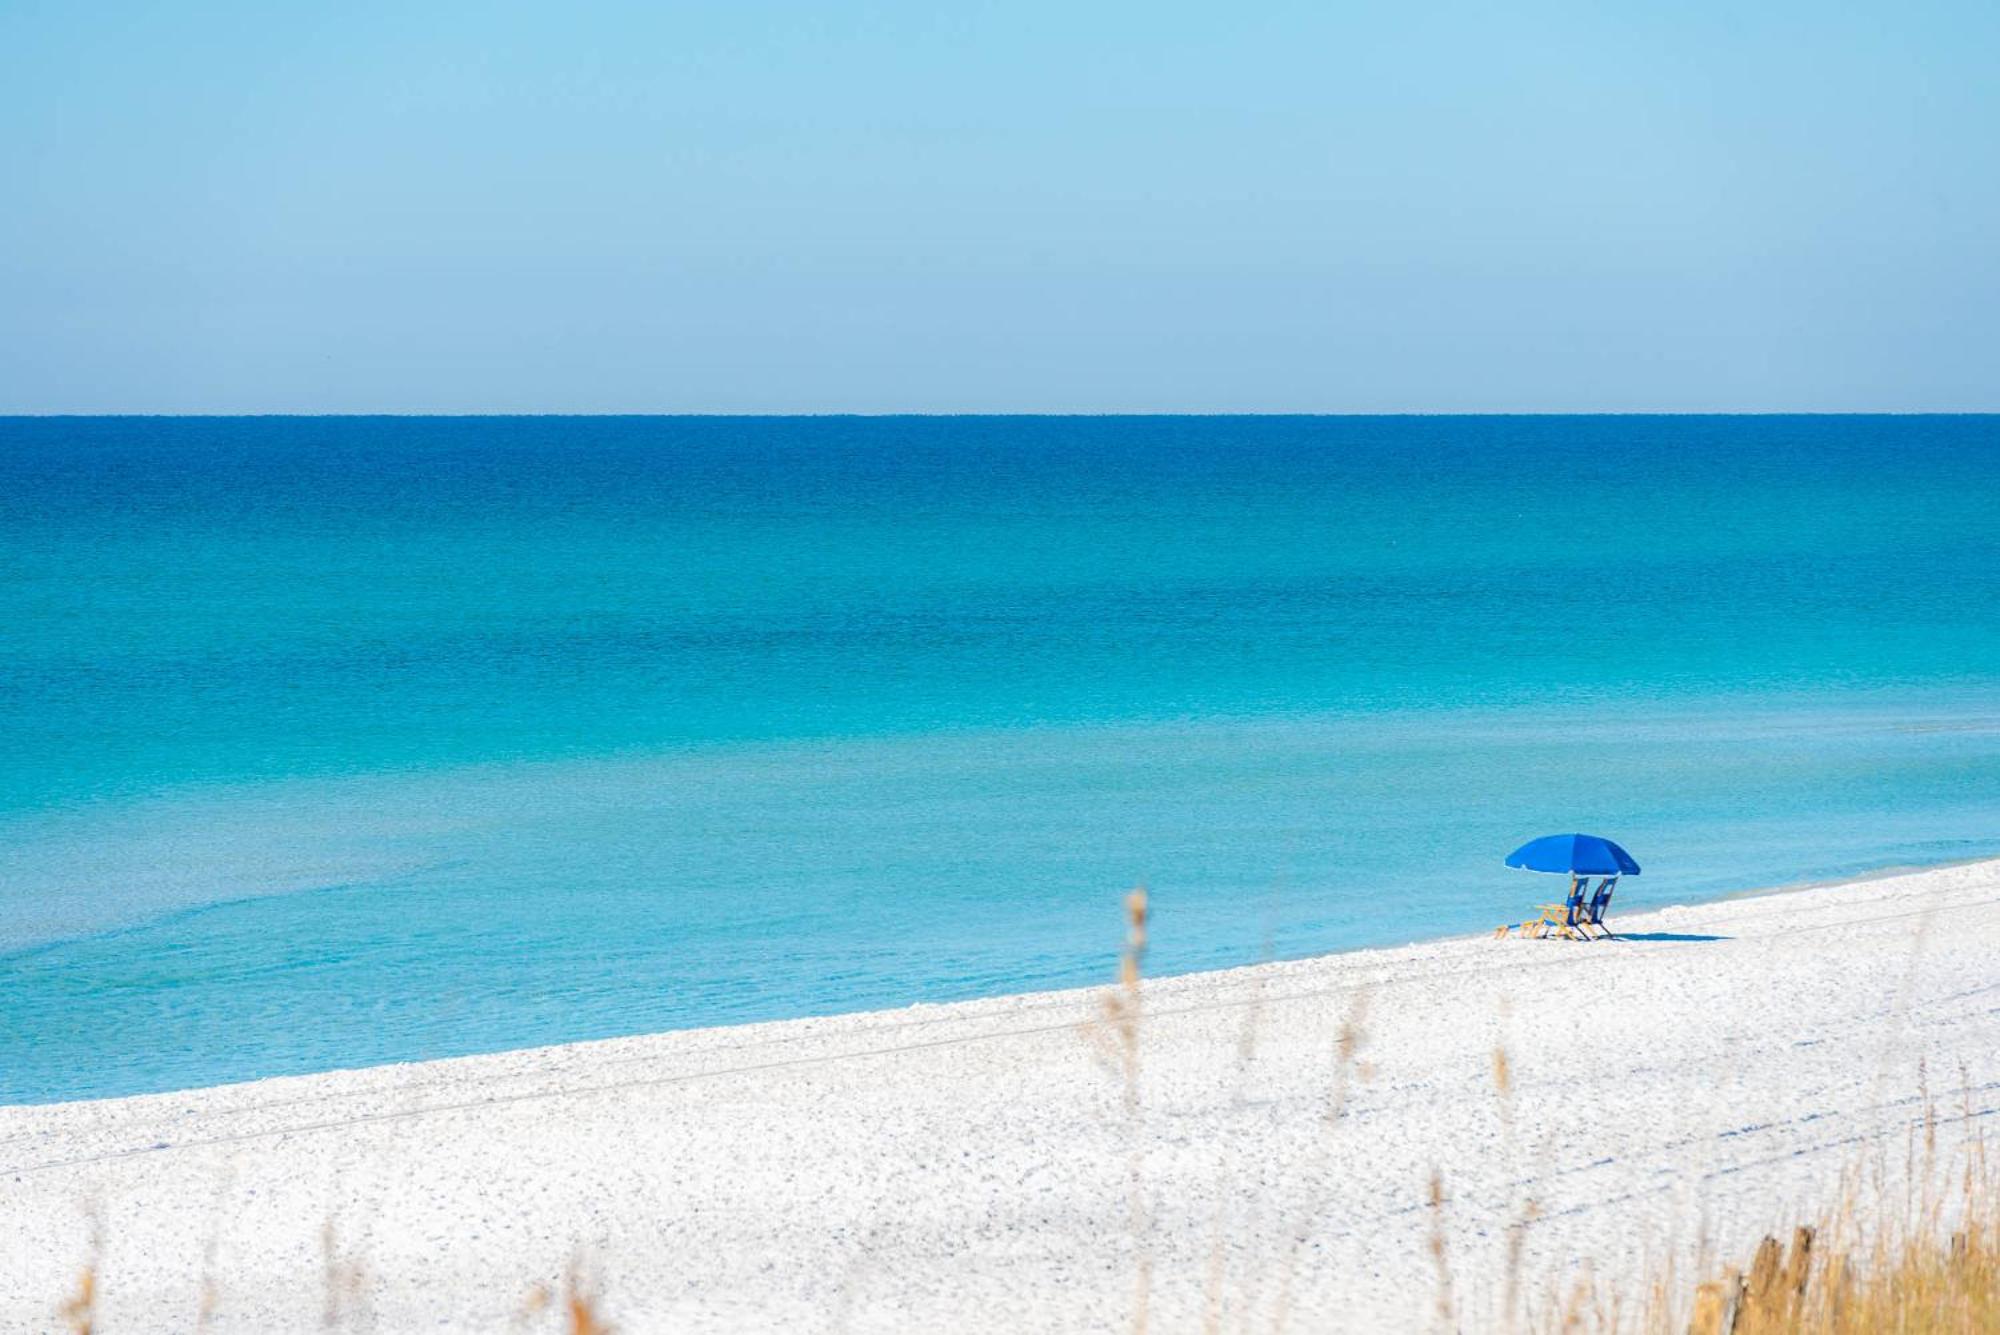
(334, 741)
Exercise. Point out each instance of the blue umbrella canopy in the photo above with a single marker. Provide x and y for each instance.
(1577, 854)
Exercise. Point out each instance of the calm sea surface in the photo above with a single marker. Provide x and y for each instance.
(327, 742)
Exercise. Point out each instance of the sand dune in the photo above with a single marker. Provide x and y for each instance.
(969, 1167)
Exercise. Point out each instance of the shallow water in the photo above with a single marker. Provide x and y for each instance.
(340, 741)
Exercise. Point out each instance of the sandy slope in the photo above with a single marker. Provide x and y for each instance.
(966, 1167)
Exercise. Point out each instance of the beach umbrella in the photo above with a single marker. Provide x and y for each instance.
(1575, 854)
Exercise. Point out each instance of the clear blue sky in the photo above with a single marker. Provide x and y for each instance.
(936, 206)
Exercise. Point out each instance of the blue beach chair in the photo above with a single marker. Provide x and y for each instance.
(1593, 916)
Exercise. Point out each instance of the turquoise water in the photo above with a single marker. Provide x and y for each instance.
(336, 741)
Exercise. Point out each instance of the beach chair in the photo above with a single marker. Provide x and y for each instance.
(1564, 919)
(1593, 916)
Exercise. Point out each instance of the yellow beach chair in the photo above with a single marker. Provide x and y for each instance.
(1566, 919)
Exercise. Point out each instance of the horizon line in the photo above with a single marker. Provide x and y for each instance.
(488, 414)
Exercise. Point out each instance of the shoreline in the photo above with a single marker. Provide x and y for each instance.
(1032, 999)
(884, 873)
(1679, 1092)
(1043, 997)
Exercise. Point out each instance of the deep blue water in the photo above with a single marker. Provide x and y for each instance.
(335, 741)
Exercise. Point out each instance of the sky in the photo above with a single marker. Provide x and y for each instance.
(770, 206)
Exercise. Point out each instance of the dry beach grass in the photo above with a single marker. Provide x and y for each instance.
(1926, 1264)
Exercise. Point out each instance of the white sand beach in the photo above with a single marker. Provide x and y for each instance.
(968, 1167)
